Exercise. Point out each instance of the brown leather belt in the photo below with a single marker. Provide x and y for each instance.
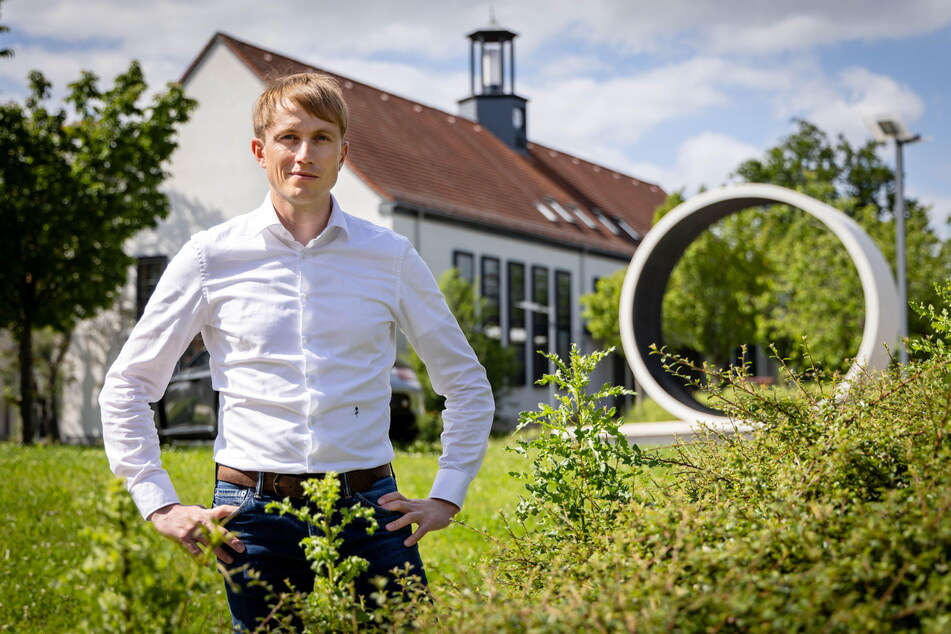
(287, 485)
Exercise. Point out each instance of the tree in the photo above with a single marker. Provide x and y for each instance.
(825, 302)
(773, 276)
(5, 52)
(712, 320)
(600, 310)
(467, 307)
(72, 192)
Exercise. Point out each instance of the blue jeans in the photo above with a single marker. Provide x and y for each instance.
(273, 549)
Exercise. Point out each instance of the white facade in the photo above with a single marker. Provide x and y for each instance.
(438, 240)
(214, 177)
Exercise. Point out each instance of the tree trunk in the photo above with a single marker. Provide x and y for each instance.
(25, 343)
(54, 378)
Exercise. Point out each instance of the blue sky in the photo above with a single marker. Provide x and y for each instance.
(677, 93)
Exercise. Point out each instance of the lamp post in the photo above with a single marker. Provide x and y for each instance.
(892, 128)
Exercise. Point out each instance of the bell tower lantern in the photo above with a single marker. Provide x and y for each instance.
(493, 102)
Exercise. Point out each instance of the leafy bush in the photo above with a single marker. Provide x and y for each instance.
(582, 469)
(126, 583)
(332, 605)
(832, 516)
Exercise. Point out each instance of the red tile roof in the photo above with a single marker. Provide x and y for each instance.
(424, 158)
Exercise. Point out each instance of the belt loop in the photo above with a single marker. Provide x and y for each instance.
(344, 486)
(259, 489)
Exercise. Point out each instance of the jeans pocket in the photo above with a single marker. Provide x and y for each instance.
(233, 495)
(369, 498)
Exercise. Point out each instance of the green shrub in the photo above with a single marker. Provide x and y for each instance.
(127, 584)
(834, 515)
(582, 470)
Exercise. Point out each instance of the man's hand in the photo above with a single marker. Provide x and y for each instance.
(185, 524)
(431, 514)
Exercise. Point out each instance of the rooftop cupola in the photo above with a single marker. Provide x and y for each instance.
(493, 102)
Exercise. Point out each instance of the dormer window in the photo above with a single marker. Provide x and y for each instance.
(607, 222)
(545, 211)
(561, 211)
(585, 218)
(629, 230)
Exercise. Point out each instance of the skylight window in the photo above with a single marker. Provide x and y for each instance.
(629, 230)
(585, 218)
(545, 211)
(554, 204)
(606, 222)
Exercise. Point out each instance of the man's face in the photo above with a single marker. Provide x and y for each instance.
(302, 154)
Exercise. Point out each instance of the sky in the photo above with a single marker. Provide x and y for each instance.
(677, 93)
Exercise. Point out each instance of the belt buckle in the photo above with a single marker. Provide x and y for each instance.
(277, 488)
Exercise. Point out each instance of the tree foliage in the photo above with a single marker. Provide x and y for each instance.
(73, 190)
(776, 275)
(5, 52)
(714, 319)
(857, 182)
(600, 309)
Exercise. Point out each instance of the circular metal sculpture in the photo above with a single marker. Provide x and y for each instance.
(647, 276)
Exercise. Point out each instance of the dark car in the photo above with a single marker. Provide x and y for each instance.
(189, 409)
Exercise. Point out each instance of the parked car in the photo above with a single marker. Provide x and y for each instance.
(189, 408)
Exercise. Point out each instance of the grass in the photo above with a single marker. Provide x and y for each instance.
(51, 493)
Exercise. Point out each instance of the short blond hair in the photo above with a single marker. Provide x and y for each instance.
(317, 93)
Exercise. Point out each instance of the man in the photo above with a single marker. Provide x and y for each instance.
(298, 304)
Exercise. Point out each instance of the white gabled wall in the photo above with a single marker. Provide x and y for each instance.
(213, 177)
(359, 199)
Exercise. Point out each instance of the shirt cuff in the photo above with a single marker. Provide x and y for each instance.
(151, 495)
(450, 485)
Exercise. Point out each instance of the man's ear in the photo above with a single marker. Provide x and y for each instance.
(343, 154)
(257, 148)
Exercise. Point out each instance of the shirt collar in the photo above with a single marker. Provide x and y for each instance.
(265, 217)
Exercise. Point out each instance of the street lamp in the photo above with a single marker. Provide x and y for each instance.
(892, 128)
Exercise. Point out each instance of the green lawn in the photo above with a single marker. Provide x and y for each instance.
(50, 494)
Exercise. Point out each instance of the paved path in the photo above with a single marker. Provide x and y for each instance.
(665, 433)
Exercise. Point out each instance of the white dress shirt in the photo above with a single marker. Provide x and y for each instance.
(302, 340)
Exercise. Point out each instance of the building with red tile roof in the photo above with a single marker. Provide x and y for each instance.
(532, 226)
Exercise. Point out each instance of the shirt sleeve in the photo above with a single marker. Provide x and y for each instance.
(455, 373)
(139, 376)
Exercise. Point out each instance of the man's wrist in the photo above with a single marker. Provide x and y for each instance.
(161, 511)
(453, 505)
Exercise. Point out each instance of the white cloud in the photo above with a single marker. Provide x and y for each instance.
(750, 26)
(940, 212)
(708, 159)
(441, 90)
(847, 102)
(705, 160)
(578, 112)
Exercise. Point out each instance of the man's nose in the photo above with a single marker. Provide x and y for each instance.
(305, 152)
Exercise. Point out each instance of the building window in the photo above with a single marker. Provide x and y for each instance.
(491, 281)
(540, 342)
(516, 314)
(464, 262)
(563, 314)
(148, 272)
